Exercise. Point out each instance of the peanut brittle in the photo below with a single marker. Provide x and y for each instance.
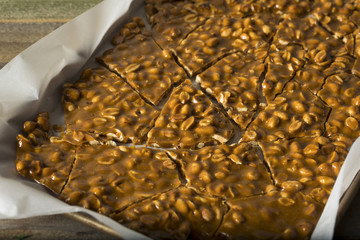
(102, 103)
(241, 8)
(271, 216)
(309, 165)
(220, 36)
(312, 37)
(334, 16)
(138, 59)
(189, 120)
(107, 179)
(173, 21)
(177, 214)
(342, 93)
(296, 112)
(234, 83)
(341, 90)
(41, 160)
(282, 63)
(310, 77)
(292, 8)
(285, 71)
(224, 171)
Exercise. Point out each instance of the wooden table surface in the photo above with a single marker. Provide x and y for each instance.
(23, 22)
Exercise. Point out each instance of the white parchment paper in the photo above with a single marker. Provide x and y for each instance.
(31, 83)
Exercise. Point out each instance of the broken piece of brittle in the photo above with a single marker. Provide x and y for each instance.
(282, 63)
(189, 120)
(100, 102)
(139, 60)
(219, 36)
(342, 93)
(106, 179)
(178, 214)
(296, 112)
(308, 165)
(225, 171)
(271, 216)
(40, 159)
(234, 83)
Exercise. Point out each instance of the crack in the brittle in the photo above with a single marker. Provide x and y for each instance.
(328, 30)
(261, 155)
(70, 171)
(179, 168)
(153, 196)
(220, 107)
(226, 204)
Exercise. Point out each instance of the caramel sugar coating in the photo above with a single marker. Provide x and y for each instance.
(335, 16)
(224, 171)
(138, 59)
(307, 165)
(41, 160)
(341, 92)
(271, 216)
(106, 178)
(282, 64)
(234, 83)
(314, 39)
(189, 120)
(178, 214)
(101, 103)
(296, 112)
(219, 36)
(172, 21)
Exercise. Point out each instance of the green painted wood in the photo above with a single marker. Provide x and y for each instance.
(42, 9)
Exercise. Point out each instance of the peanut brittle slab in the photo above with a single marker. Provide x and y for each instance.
(220, 36)
(270, 216)
(344, 121)
(341, 90)
(224, 171)
(189, 120)
(100, 102)
(334, 16)
(309, 165)
(178, 214)
(41, 160)
(106, 179)
(234, 83)
(310, 36)
(342, 93)
(311, 77)
(282, 63)
(296, 112)
(139, 60)
(173, 21)
(161, 12)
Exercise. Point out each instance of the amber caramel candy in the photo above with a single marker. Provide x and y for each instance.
(178, 214)
(107, 179)
(219, 36)
(224, 171)
(234, 81)
(307, 165)
(41, 160)
(189, 120)
(296, 112)
(138, 59)
(270, 216)
(100, 102)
